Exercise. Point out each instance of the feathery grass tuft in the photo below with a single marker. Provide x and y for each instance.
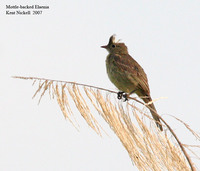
(148, 148)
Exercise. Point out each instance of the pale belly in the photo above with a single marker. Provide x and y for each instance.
(122, 80)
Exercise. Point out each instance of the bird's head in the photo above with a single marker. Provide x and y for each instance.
(115, 47)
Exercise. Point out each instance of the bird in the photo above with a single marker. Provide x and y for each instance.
(128, 76)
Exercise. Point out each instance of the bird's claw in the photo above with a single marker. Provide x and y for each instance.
(125, 96)
(121, 95)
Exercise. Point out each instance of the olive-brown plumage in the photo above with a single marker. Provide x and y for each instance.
(127, 75)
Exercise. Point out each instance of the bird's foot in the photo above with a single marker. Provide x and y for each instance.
(120, 95)
(123, 95)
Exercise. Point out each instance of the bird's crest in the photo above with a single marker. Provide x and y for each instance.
(113, 39)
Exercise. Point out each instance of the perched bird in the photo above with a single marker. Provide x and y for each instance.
(127, 75)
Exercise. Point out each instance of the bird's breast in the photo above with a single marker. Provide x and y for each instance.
(118, 76)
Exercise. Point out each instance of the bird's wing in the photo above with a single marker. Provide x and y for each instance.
(133, 70)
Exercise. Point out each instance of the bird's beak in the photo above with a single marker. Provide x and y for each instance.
(104, 46)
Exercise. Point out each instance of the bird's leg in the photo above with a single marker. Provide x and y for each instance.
(125, 95)
(120, 95)
(133, 91)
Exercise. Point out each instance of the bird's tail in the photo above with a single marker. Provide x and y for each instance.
(153, 112)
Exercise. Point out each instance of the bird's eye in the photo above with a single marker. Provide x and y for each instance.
(113, 46)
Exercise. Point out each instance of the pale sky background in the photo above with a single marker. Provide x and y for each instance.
(64, 43)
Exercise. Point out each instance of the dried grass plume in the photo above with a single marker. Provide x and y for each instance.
(148, 148)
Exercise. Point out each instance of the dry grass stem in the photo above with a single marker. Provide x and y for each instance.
(188, 128)
(148, 148)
